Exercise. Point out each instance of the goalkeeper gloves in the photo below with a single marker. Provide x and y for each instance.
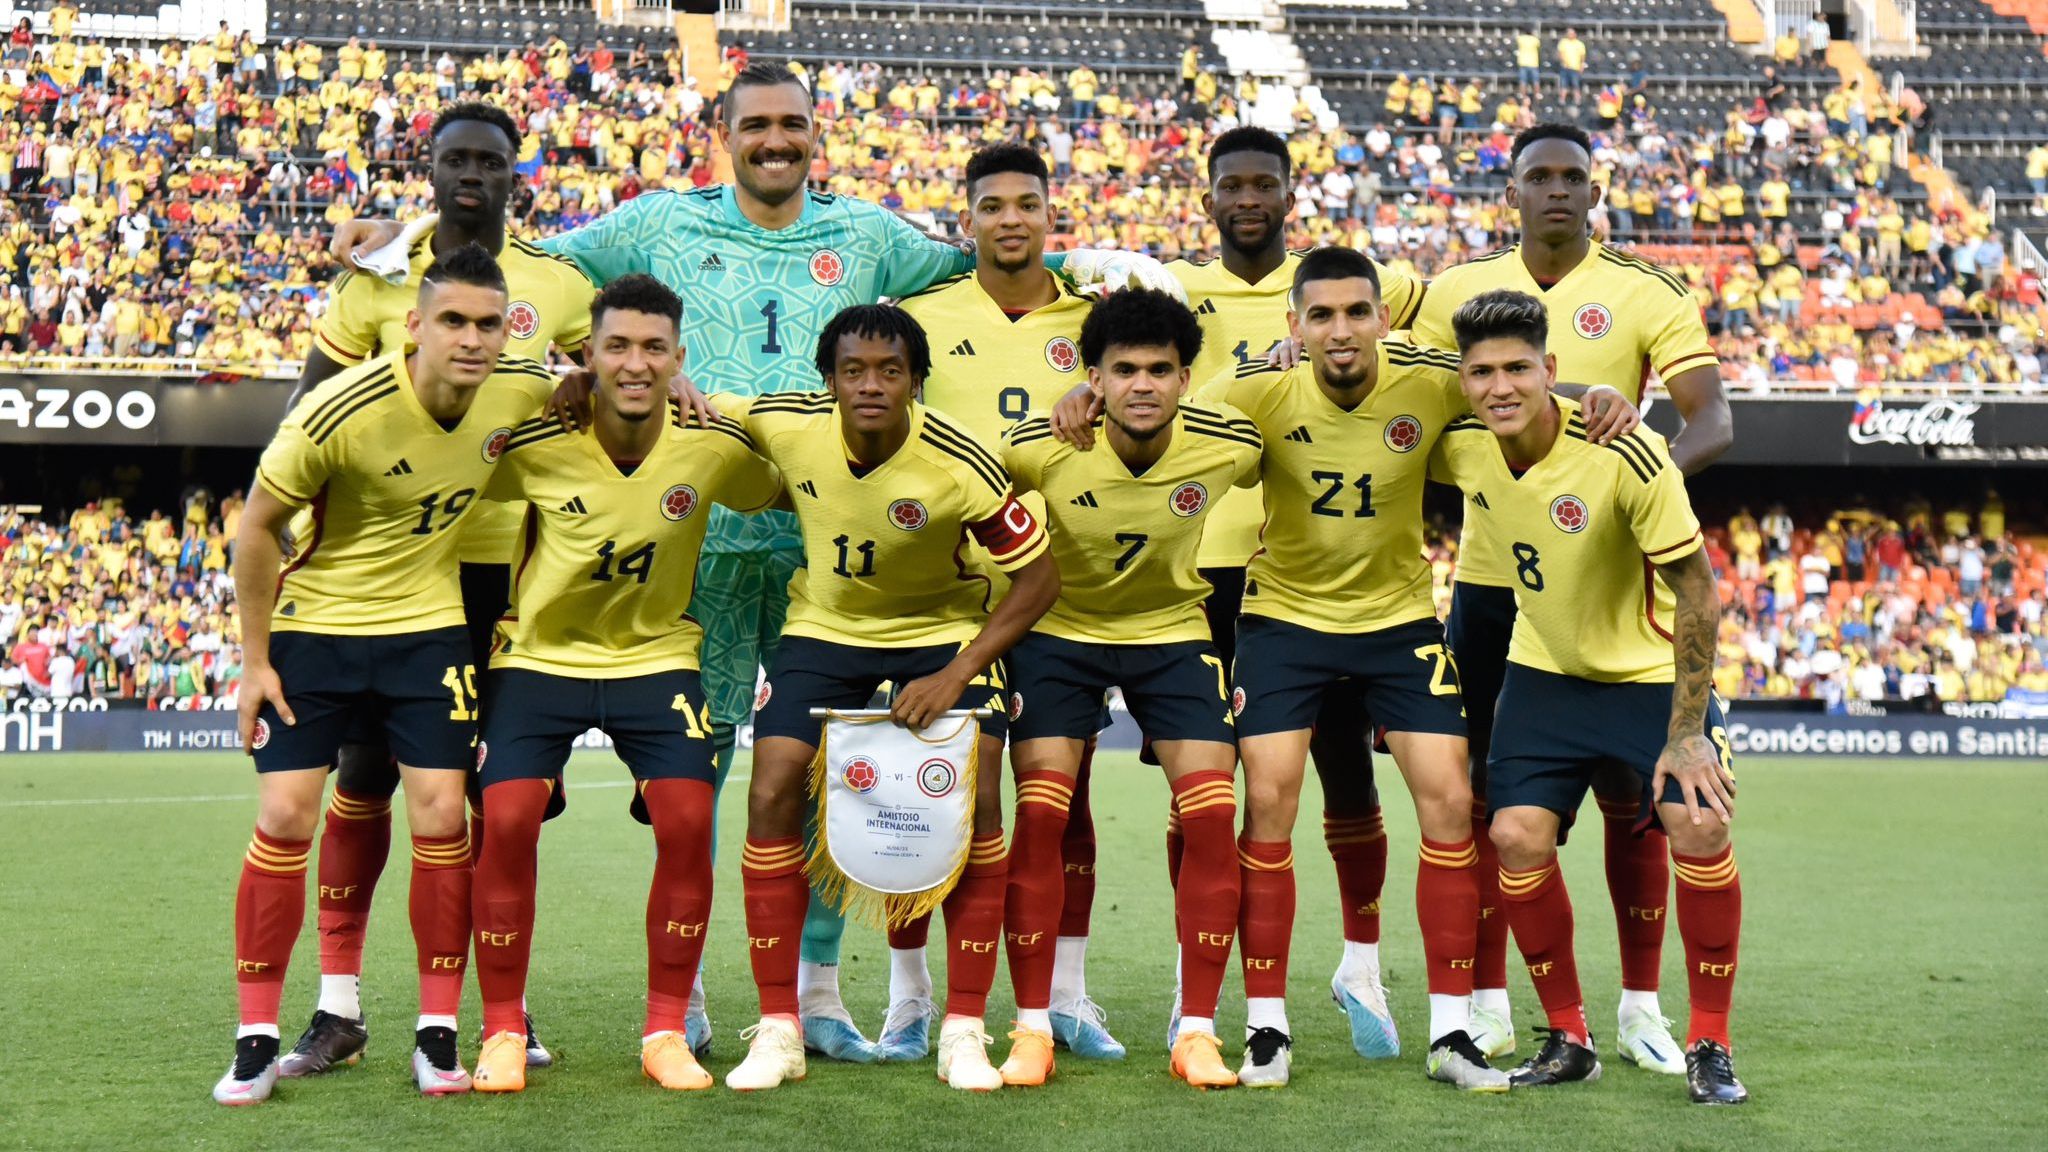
(1096, 272)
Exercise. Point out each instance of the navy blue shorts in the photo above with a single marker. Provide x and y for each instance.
(1175, 691)
(1404, 676)
(486, 593)
(811, 673)
(1552, 732)
(656, 724)
(1482, 620)
(416, 690)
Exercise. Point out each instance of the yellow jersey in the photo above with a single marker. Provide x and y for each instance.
(1614, 320)
(887, 557)
(1583, 532)
(1241, 322)
(991, 369)
(1341, 549)
(608, 557)
(550, 304)
(388, 489)
(1126, 544)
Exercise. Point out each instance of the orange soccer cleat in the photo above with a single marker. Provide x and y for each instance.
(667, 1060)
(1030, 1062)
(1198, 1059)
(501, 1066)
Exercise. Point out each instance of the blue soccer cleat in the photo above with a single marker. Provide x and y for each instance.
(697, 1033)
(907, 1031)
(836, 1038)
(1077, 1026)
(1372, 1026)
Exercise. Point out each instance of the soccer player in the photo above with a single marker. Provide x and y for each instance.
(1125, 521)
(1627, 318)
(1616, 611)
(389, 457)
(473, 149)
(1337, 603)
(887, 492)
(1006, 342)
(599, 636)
(766, 263)
(1241, 301)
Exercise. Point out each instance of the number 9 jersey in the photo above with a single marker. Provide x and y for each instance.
(387, 487)
(991, 369)
(608, 555)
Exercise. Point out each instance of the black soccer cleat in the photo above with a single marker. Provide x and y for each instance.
(1710, 1075)
(329, 1042)
(1268, 1059)
(537, 1054)
(1562, 1060)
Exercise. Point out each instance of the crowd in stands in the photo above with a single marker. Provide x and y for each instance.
(105, 606)
(173, 200)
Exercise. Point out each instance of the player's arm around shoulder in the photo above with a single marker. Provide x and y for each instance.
(1029, 450)
(747, 483)
(530, 377)
(1228, 430)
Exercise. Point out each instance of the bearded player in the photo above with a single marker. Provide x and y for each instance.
(1617, 320)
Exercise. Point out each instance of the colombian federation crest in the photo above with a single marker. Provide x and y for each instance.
(1570, 514)
(908, 515)
(1188, 499)
(1061, 353)
(861, 774)
(761, 697)
(494, 444)
(1016, 705)
(483, 750)
(1592, 321)
(827, 268)
(1237, 701)
(522, 320)
(261, 736)
(1403, 433)
(678, 502)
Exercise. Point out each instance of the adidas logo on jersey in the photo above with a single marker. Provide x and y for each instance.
(807, 489)
(1085, 500)
(399, 469)
(1300, 436)
(575, 506)
(291, 608)
(1479, 498)
(1207, 307)
(711, 263)
(963, 348)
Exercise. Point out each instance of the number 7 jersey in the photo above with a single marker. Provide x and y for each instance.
(608, 557)
(1341, 547)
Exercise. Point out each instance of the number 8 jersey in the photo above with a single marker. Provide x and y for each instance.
(1581, 534)
(608, 554)
(886, 550)
(1341, 547)
(387, 486)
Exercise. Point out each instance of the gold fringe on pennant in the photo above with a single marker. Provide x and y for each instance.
(857, 901)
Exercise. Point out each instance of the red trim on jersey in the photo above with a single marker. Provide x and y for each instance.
(339, 352)
(318, 507)
(1675, 547)
(1650, 598)
(960, 569)
(1011, 531)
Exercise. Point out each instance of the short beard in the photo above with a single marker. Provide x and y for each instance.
(1139, 435)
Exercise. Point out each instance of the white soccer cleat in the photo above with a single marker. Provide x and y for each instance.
(252, 1076)
(1364, 1002)
(1268, 1059)
(775, 1054)
(963, 1056)
(438, 1072)
(1493, 1033)
(1645, 1041)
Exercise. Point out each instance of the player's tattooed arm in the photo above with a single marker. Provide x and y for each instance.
(1709, 423)
(1689, 755)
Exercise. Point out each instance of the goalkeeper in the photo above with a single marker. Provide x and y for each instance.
(762, 264)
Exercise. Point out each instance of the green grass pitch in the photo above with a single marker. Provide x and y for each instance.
(1891, 988)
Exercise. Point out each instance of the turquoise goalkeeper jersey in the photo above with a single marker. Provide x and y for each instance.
(755, 300)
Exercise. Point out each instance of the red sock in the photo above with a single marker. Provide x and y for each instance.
(353, 848)
(270, 907)
(1540, 911)
(915, 934)
(439, 904)
(1490, 954)
(1358, 846)
(501, 903)
(974, 925)
(1447, 905)
(1176, 845)
(1638, 882)
(1031, 901)
(1206, 907)
(1710, 924)
(1077, 855)
(1265, 914)
(679, 900)
(776, 894)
